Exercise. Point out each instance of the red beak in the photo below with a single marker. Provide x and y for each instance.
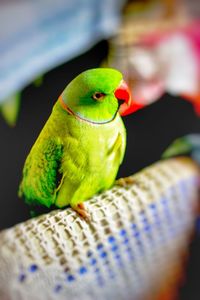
(129, 106)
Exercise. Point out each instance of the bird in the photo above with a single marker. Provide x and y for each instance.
(80, 148)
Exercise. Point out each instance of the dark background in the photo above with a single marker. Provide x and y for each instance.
(149, 132)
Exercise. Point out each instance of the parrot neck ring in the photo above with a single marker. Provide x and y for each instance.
(76, 115)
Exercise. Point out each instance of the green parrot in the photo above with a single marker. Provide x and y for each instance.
(80, 148)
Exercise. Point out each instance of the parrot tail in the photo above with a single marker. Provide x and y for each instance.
(189, 144)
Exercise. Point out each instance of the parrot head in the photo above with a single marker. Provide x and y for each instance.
(96, 95)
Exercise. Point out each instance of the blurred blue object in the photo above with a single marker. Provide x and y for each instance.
(36, 36)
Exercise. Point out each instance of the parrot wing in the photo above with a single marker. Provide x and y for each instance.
(40, 174)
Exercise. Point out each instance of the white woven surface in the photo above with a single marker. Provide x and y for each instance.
(134, 239)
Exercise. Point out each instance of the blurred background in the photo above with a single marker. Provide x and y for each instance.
(45, 44)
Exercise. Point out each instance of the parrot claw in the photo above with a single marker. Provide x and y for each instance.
(80, 209)
(123, 182)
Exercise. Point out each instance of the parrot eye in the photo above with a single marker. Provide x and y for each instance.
(98, 96)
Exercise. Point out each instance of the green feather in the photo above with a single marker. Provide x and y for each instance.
(85, 155)
(40, 173)
(179, 147)
(186, 145)
(78, 94)
(39, 81)
(9, 109)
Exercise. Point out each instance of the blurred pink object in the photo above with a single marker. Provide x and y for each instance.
(168, 62)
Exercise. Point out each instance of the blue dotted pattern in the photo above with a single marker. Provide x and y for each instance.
(22, 277)
(117, 245)
(58, 288)
(33, 268)
(70, 278)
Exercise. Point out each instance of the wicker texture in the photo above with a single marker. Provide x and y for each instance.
(134, 240)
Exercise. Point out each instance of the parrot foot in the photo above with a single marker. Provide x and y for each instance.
(80, 209)
(123, 182)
